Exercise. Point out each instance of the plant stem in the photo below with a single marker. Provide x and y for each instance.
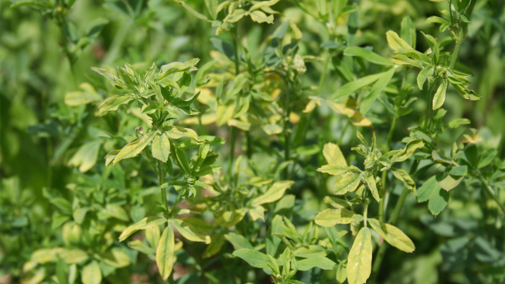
(491, 192)
(383, 246)
(61, 21)
(175, 203)
(234, 35)
(455, 54)
(365, 212)
(392, 221)
(382, 203)
(285, 129)
(249, 144)
(161, 180)
(233, 134)
(339, 142)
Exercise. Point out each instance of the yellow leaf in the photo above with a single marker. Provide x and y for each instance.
(91, 273)
(392, 235)
(359, 262)
(165, 253)
(274, 193)
(332, 217)
(333, 155)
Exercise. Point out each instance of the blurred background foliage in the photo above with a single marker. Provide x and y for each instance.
(40, 132)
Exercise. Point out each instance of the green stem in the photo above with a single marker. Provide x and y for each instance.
(365, 213)
(339, 142)
(175, 204)
(234, 35)
(491, 192)
(285, 130)
(427, 116)
(233, 134)
(392, 221)
(249, 144)
(161, 179)
(455, 54)
(383, 246)
(382, 203)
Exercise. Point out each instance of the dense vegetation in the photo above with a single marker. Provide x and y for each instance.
(210, 141)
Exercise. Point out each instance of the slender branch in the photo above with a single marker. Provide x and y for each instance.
(491, 192)
(455, 54)
(233, 137)
(382, 203)
(234, 35)
(392, 221)
(339, 142)
(161, 180)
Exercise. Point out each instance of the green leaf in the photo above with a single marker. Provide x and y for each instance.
(117, 212)
(438, 198)
(165, 253)
(116, 257)
(235, 16)
(192, 11)
(332, 217)
(392, 235)
(86, 96)
(333, 169)
(359, 261)
(257, 212)
(396, 43)
(72, 256)
(79, 214)
(175, 67)
(435, 49)
(134, 148)
(439, 98)
(377, 88)
(182, 160)
(333, 155)
(428, 189)
(449, 182)
(113, 103)
(405, 178)
(187, 232)
(367, 55)
(91, 273)
(370, 182)
(458, 171)
(408, 32)
(141, 225)
(216, 243)
(260, 17)
(423, 75)
(347, 182)
(458, 122)
(252, 257)
(438, 201)
(274, 193)
(161, 147)
(403, 154)
(177, 132)
(143, 248)
(341, 273)
(95, 27)
(85, 158)
(336, 202)
(310, 251)
(487, 157)
(238, 241)
(315, 261)
(351, 87)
